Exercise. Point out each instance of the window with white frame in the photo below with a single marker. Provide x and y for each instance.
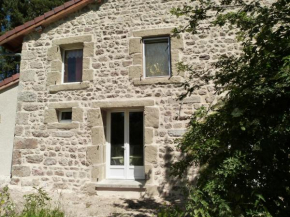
(72, 65)
(156, 57)
(65, 116)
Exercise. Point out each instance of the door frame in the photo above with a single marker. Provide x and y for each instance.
(126, 166)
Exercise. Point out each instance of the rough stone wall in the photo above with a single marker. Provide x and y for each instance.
(56, 157)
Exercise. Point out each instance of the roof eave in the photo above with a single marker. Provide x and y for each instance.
(15, 36)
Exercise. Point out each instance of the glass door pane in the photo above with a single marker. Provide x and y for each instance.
(136, 138)
(117, 138)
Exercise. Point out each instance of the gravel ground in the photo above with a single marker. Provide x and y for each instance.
(104, 204)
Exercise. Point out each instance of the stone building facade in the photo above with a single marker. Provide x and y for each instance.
(74, 155)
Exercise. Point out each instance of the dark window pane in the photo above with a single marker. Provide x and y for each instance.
(117, 138)
(66, 116)
(73, 69)
(157, 57)
(136, 138)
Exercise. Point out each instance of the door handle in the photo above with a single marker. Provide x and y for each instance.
(123, 147)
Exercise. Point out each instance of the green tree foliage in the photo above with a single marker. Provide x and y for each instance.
(15, 13)
(21, 11)
(241, 144)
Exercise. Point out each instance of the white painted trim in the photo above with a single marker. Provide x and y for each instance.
(63, 62)
(169, 56)
(126, 166)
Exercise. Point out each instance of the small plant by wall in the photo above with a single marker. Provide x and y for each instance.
(36, 205)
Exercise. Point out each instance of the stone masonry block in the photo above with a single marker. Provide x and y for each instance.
(27, 75)
(89, 189)
(50, 116)
(54, 53)
(69, 86)
(36, 65)
(88, 49)
(177, 43)
(16, 157)
(149, 135)
(63, 105)
(192, 99)
(40, 133)
(151, 116)
(74, 46)
(174, 56)
(27, 96)
(135, 71)
(88, 75)
(95, 155)
(128, 103)
(98, 173)
(152, 190)
(149, 174)
(72, 40)
(137, 59)
(77, 114)
(21, 171)
(63, 134)
(28, 55)
(98, 136)
(34, 159)
(176, 133)
(153, 32)
(24, 143)
(151, 154)
(23, 65)
(56, 66)
(161, 80)
(135, 45)
(86, 63)
(95, 118)
(174, 61)
(53, 78)
(64, 126)
(22, 118)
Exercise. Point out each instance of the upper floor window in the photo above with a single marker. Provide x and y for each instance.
(157, 57)
(73, 66)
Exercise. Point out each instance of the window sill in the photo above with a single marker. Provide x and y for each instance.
(68, 87)
(64, 126)
(158, 80)
(121, 185)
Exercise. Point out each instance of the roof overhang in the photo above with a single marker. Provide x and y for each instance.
(13, 39)
(8, 82)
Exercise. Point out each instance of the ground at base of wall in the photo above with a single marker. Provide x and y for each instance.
(83, 205)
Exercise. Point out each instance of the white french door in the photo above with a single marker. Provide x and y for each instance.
(125, 144)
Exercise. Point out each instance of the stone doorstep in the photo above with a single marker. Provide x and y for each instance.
(121, 185)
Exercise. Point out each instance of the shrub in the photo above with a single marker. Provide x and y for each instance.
(6, 204)
(36, 205)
